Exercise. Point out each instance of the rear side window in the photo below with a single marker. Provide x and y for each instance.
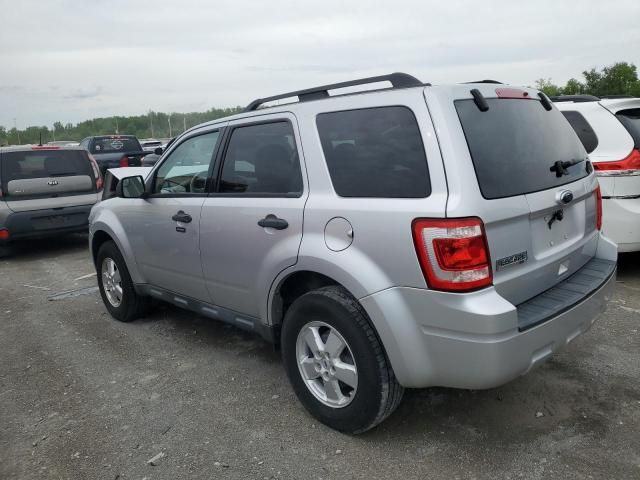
(115, 144)
(514, 144)
(582, 128)
(262, 159)
(631, 121)
(375, 152)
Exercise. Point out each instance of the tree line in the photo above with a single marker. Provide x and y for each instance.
(621, 78)
(150, 125)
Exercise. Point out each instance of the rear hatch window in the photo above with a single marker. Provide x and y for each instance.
(514, 144)
(36, 173)
(631, 121)
(115, 144)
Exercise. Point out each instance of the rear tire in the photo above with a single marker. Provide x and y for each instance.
(352, 391)
(116, 287)
(5, 251)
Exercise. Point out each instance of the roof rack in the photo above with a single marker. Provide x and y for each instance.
(397, 80)
(613, 97)
(486, 81)
(574, 98)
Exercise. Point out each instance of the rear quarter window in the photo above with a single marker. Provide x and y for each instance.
(583, 129)
(375, 152)
(514, 144)
(631, 120)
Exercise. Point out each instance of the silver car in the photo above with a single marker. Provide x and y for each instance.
(410, 236)
(45, 190)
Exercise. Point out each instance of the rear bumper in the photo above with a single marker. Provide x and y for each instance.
(472, 340)
(45, 222)
(621, 222)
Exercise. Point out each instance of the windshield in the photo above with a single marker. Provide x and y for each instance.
(115, 144)
(515, 144)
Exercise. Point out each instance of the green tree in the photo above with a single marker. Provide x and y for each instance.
(573, 87)
(550, 89)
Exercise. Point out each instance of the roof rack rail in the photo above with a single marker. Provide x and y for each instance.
(397, 80)
(612, 97)
(574, 98)
(487, 81)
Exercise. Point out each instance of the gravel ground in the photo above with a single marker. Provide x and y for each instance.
(85, 397)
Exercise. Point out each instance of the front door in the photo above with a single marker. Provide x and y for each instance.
(251, 225)
(164, 229)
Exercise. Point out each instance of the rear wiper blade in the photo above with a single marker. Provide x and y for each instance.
(560, 167)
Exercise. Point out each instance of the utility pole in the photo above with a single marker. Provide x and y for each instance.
(169, 120)
(54, 132)
(184, 123)
(151, 123)
(117, 132)
(15, 127)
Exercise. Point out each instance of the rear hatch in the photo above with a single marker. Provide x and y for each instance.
(539, 213)
(46, 178)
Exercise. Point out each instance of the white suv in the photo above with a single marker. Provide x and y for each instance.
(610, 132)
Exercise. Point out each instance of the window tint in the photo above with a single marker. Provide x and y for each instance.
(585, 133)
(187, 167)
(44, 164)
(515, 143)
(631, 121)
(262, 159)
(115, 144)
(375, 152)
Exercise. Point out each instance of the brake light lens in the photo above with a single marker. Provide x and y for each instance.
(96, 172)
(453, 253)
(598, 193)
(627, 166)
(4, 234)
(124, 161)
(505, 92)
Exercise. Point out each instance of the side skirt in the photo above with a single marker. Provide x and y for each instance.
(244, 322)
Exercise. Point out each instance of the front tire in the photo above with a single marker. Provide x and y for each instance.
(336, 363)
(116, 286)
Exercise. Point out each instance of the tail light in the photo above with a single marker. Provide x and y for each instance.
(453, 253)
(598, 208)
(629, 165)
(124, 161)
(4, 234)
(96, 172)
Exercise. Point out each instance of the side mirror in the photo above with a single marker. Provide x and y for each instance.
(158, 151)
(131, 187)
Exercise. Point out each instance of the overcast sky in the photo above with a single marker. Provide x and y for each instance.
(72, 60)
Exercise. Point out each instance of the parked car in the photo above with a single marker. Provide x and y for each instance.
(45, 190)
(610, 132)
(114, 151)
(150, 159)
(150, 144)
(412, 236)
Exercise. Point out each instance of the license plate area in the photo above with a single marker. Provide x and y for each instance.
(58, 221)
(556, 229)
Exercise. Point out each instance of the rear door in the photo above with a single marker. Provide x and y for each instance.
(47, 178)
(539, 213)
(251, 227)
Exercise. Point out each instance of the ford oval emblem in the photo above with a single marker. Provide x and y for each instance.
(566, 197)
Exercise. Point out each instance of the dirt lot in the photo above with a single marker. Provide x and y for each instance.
(85, 397)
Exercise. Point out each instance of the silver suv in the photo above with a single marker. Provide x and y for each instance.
(409, 236)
